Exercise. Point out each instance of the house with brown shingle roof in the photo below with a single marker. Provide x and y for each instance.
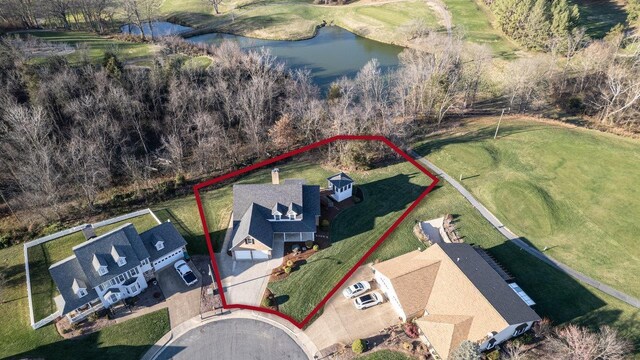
(453, 295)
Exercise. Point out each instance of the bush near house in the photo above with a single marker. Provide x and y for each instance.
(359, 346)
(411, 330)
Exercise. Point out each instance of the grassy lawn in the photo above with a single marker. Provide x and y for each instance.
(297, 19)
(43, 289)
(97, 45)
(17, 336)
(128, 340)
(570, 190)
(387, 192)
(384, 355)
(474, 20)
(553, 163)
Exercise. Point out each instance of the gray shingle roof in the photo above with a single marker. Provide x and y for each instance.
(129, 244)
(64, 273)
(261, 199)
(166, 232)
(340, 180)
(489, 283)
(265, 195)
(253, 224)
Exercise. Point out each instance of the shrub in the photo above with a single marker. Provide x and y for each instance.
(287, 269)
(180, 180)
(359, 346)
(308, 244)
(494, 355)
(411, 330)
(289, 263)
(325, 223)
(4, 241)
(407, 346)
(267, 302)
(316, 247)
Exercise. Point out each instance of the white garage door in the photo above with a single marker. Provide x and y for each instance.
(168, 259)
(260, 254)
(242, 254)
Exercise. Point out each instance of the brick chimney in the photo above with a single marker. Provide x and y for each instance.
(275, 176)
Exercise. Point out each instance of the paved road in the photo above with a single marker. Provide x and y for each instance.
(516, 239)
(232, 339)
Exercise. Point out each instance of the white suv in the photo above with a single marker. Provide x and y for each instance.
(185, 272)
(368, 300)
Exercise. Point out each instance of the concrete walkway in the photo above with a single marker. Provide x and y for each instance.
(523, 245)
(301, 339)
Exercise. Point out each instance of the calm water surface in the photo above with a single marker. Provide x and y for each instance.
(333, 53)
(160, 28)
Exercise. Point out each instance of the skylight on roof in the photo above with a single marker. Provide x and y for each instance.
(527, 300)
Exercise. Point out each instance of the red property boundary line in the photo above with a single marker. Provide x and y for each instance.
(320, 305)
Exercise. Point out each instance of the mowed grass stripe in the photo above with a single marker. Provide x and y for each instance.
(571, 190)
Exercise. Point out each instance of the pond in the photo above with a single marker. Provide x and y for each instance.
(160, 28)
(333, 53)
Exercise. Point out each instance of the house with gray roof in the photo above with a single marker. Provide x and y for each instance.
(109, 268)
(264, 213)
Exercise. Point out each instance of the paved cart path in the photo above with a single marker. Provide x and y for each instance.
(523, 245)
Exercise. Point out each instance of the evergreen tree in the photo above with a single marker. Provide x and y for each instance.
(564, 17)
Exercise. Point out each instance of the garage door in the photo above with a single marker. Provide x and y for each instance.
(168, 260)
(242, 255)
(259, 255)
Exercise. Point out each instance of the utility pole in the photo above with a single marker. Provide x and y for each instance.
(498, 127)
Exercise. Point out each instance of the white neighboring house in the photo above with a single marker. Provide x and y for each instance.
(341, 185)
(112, 267)
(453, 294)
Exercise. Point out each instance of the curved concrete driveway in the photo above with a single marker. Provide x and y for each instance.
(234, 338)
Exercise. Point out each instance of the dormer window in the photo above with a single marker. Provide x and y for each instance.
(99, 264)
(118, 256)
(277, 216)
(292, 216)
(159, 245)
(79, 288)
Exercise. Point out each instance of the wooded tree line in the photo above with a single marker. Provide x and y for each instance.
(69, 132)
(93, 15)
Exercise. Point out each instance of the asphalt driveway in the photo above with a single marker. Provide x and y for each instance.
(341, 322)
(231, 339)
(183, 301)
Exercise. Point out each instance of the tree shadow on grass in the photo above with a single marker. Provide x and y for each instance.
(558, 296)
(90, 347)
(281, 299)
(381, 198)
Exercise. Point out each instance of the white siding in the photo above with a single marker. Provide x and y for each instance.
(504, 335)
(387, 288)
